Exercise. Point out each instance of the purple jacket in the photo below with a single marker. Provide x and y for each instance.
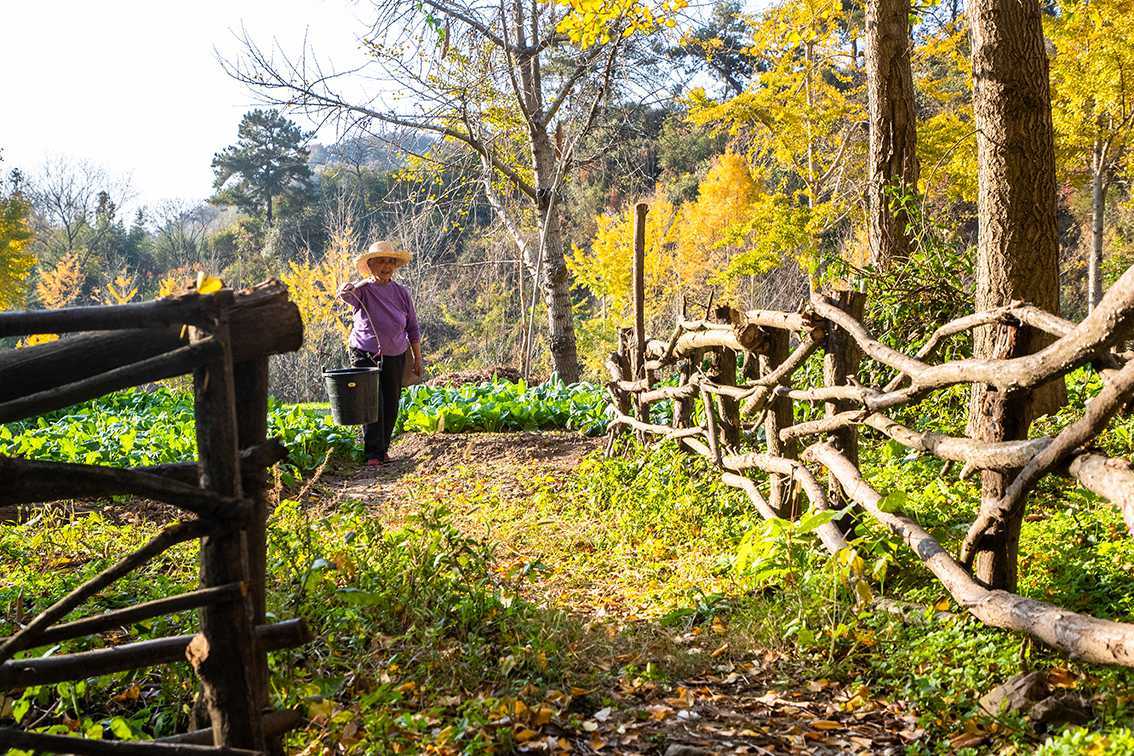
(392, 312)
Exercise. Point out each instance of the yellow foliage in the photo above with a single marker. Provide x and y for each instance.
(799, 123)
(716, 224)
(591, 22)
(207, 284)
(15, 261)
(733, 229)
(37, 339)
(605, 268)
(1092, 83)
(313, 287)
(947, 150)
(61, 285)
(121, 290)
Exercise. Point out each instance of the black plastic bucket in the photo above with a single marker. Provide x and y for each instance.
(353, 393)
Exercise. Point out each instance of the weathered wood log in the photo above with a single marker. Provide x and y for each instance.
(174, 534)
(1078, 635)
(275, 723)
(779, 416)
(250, 387)
(749, 487)
(252, 458)
(779, 375)
(40, 743)
(829, 533)
(28, 481)
(722, 372)
(262, 322)
(653, 428)
(823, 425)
(169, 365)
(20, 673)
(1108, 324)
(1112, 479)
(191, 309)
(711, 431)
(226, 653)
(981, 455)
(684, 391)
(785, 321)
(1116, 391)
(729, 339)
(129, 615)
(638, 278)
(840, 365)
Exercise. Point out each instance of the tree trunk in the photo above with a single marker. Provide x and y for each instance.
(1017, 247)
(893, 127)
(553, 274)
(1098, 207)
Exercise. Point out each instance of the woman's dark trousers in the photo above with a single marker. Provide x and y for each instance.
(376, 435)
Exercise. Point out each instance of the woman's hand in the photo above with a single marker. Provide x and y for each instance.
(344, 290)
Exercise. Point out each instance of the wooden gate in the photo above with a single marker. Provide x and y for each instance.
(223, 339)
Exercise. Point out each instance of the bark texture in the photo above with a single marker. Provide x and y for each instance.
(1018, 246)
(893, 127)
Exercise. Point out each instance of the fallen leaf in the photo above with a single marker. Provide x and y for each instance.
(523, 735)
(826, 724)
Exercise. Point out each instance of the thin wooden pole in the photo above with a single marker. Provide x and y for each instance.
(225, 651)
(839, 364)
(251, 388)
(639, 277)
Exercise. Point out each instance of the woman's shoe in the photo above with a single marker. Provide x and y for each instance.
(375, 462)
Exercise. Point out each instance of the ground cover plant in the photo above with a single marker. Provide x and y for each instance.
(504, 405)
(139, 427)
(487, 609)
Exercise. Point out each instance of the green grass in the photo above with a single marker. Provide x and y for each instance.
(465, 601)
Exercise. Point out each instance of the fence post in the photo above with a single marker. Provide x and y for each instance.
(724, 374)
(779, 416)
(839, 363)
(250, 382)
(223, 652)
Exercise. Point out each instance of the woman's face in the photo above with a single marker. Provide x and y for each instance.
(382, 267)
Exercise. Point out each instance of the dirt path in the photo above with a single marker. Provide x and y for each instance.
(722, 699)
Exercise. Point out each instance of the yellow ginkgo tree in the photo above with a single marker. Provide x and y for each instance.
(1092, 82)
(799, 123)
(16, 260)
(60, 285)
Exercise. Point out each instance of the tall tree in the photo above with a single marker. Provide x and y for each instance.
(515, 84)
(1092, 79)
(267, 162)
(1018, 243)
(16, 260)
(893, 165)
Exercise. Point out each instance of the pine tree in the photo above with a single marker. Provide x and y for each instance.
(268, 162)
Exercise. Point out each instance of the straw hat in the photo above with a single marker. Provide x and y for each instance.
(381, 248)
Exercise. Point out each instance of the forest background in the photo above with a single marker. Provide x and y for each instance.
(746, 132)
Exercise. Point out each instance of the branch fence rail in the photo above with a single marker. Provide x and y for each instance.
(747, 427)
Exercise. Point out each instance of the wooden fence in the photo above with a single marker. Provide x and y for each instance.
(224, 339)
(747, 426)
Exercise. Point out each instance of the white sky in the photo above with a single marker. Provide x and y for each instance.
(134, 86)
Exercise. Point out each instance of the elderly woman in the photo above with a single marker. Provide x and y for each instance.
(384, 331)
